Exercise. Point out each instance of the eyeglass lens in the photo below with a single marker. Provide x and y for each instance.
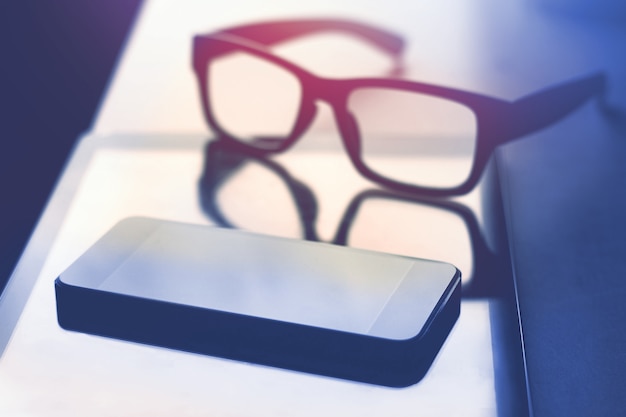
(414, 138)
(253, 99)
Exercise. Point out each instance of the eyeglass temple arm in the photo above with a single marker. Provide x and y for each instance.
(541, 109)
(271, 33)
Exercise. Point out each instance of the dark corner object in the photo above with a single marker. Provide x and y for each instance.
(57, 58)
(339, 354)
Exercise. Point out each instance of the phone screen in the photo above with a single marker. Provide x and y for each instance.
(308, 283)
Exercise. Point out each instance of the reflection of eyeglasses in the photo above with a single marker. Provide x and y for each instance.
(290, 207)
(405, 135)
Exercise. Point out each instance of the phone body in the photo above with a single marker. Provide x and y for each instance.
(306, 306)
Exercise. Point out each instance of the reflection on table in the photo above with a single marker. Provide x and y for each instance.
(374, 219)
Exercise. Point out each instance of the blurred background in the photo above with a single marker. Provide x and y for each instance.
(57, 62)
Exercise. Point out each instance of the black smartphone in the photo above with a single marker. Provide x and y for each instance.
(306, 306)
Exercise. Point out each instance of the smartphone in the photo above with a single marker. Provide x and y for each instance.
(305, 306)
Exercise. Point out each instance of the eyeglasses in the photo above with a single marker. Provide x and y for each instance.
(405, 135)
